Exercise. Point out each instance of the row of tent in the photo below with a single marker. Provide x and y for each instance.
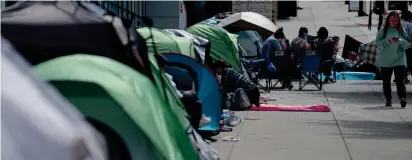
(109, 72)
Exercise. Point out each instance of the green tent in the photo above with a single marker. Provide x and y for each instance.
(131, 110)
(167, 43)
(223, 43)
(164, 43)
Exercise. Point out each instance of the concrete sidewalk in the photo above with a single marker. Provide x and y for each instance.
(358, 128)
(332, 15)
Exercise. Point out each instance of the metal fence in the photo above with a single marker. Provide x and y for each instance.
(130, 10)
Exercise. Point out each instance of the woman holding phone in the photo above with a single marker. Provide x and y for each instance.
(392, 40)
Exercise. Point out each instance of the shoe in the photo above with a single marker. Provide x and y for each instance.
(403, 102)
(290, 87)
(204, 121)
(388, 103)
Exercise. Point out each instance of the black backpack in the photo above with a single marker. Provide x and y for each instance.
(238, 100)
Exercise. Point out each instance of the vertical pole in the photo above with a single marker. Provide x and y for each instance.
(370, 16)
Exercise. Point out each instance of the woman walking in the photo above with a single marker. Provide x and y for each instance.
(392, 40)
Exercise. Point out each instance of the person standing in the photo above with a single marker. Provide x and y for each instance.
(379, 9)
(392, 40)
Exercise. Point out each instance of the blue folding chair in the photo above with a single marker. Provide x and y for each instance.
(310, 68)
(280, 60)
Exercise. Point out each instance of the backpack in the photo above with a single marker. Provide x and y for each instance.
(240, 101)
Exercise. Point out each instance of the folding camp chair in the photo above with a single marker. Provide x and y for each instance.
(254, 67)
(280, 60)
(310, 68)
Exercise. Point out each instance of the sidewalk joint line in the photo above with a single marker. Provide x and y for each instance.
(237, 136)
(337, 124)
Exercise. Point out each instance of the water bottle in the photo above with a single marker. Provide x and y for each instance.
(343, 78)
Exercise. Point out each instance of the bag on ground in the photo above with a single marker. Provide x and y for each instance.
(240, 100)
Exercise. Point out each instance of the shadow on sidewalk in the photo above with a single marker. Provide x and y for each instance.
(373, 129)
(367, 98)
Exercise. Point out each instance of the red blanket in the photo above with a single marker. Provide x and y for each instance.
(295, 108)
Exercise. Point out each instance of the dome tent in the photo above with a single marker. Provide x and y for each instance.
(165, 42)
(223, 44)
(56, 28)
(133, 111)
(164, 45)
(207, 86)
(44, 118)
(201, 44)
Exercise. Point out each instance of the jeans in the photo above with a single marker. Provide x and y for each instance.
(400, 81)
(408, 53)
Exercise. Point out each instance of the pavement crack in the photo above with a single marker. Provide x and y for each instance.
(337, 124)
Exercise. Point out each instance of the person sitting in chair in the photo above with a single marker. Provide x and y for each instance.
(232, 80)
(323, 38)
(274, 43)
(300, 43)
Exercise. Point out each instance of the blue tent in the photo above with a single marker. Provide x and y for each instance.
(189, 74)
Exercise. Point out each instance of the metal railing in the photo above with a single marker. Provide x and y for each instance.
(129, 10)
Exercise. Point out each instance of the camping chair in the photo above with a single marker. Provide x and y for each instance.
(253, 67)
(280, 60)
(310, 68)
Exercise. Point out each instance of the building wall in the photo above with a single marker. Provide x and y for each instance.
(274, 11)
(266, 8)
(165, 14)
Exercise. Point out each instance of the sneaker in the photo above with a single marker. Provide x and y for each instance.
(403, 102)
(388, 103)
(204, 121)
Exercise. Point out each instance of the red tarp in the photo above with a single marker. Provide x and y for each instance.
(293, 108)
